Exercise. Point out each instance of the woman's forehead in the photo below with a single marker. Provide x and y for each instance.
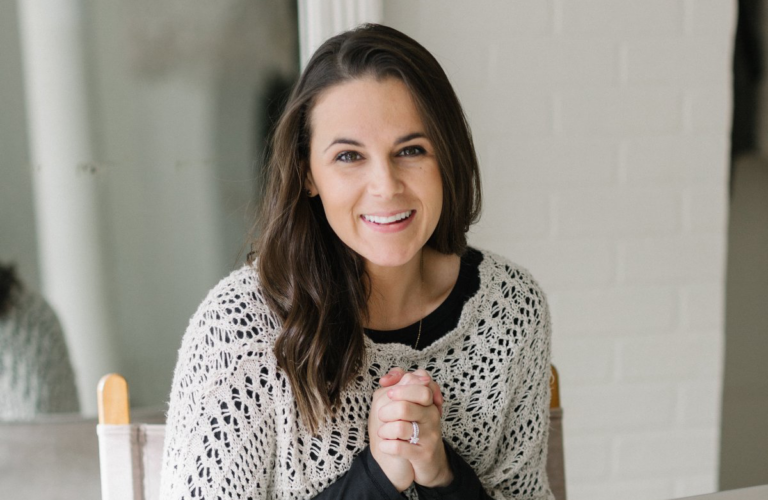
(365, 106)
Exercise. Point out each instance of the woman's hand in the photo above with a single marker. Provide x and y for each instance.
(395, 375)
(414, 397)
(397, 469)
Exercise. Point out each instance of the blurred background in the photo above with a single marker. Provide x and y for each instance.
(621, 144)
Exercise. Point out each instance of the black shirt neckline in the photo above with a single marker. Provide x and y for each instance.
(446, 316)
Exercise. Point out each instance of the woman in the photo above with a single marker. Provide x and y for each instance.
(361, 270)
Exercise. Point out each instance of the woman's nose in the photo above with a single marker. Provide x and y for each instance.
(385, 179)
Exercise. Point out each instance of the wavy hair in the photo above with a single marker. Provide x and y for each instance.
(310, 279)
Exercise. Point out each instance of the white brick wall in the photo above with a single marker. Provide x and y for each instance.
(602, 128)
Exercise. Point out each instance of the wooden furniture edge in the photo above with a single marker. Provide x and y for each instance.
(554, 385)
(112, 398)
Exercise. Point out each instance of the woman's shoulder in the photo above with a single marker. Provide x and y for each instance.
(239, 288)
(514, 285)
(234, 314)
(229, 337)
(495, 267)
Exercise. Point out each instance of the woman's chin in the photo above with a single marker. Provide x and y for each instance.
(395, 257)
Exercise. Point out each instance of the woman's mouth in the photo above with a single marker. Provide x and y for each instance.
(390, 220)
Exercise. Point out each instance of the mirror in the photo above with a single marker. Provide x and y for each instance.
(179, 99)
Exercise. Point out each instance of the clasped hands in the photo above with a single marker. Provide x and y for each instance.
(404, 398)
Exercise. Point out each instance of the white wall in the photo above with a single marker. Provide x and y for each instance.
(18, 240)
(602, 128)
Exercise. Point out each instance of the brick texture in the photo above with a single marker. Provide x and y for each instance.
(602, 128)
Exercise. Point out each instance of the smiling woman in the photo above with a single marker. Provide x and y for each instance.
(366, 351)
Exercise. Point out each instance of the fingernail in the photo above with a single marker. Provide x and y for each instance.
(424, 378)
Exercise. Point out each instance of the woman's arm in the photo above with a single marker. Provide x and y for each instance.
(221, 430)
(363, 481)
(465, 485)
(519, 471)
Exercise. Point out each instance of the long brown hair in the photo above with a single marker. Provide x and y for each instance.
(309, 277)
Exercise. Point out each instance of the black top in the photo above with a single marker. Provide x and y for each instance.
(365, 480)
(443, 319)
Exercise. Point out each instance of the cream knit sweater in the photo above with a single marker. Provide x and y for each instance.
(233, 430)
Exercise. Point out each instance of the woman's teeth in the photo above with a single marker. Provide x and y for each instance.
(388, 220)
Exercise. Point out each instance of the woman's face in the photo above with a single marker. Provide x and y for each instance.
(374, 169)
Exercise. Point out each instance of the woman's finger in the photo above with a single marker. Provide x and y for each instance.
(396, 430)
(437, 396)
(421, 373)
(419, 394)
(401, 449)
(412, 378)
(392, 377)
(420, 377)
(405, 410)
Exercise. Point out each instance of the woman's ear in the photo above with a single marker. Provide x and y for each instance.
(309, 185)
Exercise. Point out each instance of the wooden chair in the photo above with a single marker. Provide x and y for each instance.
(131, 454)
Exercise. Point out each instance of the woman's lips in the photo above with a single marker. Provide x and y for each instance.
(388, 227)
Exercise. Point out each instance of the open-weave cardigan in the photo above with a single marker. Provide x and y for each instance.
(233, 428)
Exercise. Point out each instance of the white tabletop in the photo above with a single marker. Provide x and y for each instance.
(754, 493)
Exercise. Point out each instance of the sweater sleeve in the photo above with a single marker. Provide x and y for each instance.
(519, 470)
(221, 426)
(363, 481)
(465, 485)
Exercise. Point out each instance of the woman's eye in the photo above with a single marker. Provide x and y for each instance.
(348, 156)
(412, 151)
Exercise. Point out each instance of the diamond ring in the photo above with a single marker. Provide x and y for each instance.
(415, 438)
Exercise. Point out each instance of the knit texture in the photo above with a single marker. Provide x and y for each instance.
(233, 429)
(36, 376)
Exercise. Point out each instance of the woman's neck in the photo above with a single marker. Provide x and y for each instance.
(401, 296)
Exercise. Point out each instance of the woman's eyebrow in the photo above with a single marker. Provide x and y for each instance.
(342, 140)
(352, 142)
(410, 137)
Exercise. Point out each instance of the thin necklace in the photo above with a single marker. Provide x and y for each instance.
(421, 275)
(417, 338)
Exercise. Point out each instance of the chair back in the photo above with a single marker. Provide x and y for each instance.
(130, 455)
